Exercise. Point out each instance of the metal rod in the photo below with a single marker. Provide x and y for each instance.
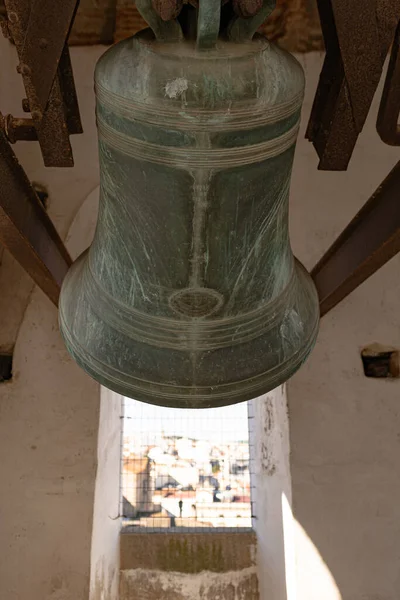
(18, 129)
(208, 23)
(26, 229)
(370, 240)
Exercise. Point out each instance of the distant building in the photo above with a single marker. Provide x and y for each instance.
(138, 487)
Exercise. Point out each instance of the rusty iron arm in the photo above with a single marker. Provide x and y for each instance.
(40, 30)
(370, 240)
(25, 228)
(388, 116)
(357, 36)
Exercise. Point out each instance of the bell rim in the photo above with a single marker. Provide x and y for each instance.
(239, 391)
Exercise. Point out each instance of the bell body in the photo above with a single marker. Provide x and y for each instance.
(189, 295)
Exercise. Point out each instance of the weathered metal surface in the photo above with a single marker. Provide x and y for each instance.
(46, 25)
(25, 228)
(39, 32)
(193, 297)
(331, 114)
(68, 92)
(350, 75)
(167, 9)
(16, 129)
(389, 110)
(294, 24)
(370, 240)
(208, 23)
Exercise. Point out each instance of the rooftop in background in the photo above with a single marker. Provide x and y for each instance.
(185, 469)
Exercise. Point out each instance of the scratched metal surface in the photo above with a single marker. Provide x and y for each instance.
(190, 295)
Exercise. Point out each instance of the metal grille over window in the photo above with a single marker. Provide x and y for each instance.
(184, 469)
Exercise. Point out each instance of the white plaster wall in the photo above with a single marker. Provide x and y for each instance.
(104, 555)
(104, 580)
(49, 411)
(345, 428)
(271, 498)
(48, 433)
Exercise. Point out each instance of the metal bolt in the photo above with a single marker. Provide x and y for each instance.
(24, 69)
(8, 129)
(43, 43)
(18, 129)
(36, 115)
(13, 17)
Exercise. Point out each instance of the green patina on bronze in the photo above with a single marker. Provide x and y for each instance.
(189, 295)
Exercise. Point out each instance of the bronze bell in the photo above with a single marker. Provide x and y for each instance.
(189, 295)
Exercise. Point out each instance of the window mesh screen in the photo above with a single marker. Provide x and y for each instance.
(185, 468)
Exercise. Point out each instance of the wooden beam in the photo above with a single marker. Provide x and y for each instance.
(26, 229)
(370, 240)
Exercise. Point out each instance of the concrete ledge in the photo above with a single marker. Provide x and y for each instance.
(141, 584)
(188, 552)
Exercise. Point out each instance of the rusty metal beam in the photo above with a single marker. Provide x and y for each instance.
(47, 27)
(25, 228)
(39, 30)
(357, 35)
(389, 109)
(68, 91)
(331, 116)
(370, 240)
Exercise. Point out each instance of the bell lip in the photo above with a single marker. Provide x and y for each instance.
(207, 397)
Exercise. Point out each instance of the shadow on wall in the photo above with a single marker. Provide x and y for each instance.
(291, 565)
(307, 576)
(313, 579)
(345, 434)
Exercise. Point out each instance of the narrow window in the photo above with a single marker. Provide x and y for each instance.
(185, 469)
